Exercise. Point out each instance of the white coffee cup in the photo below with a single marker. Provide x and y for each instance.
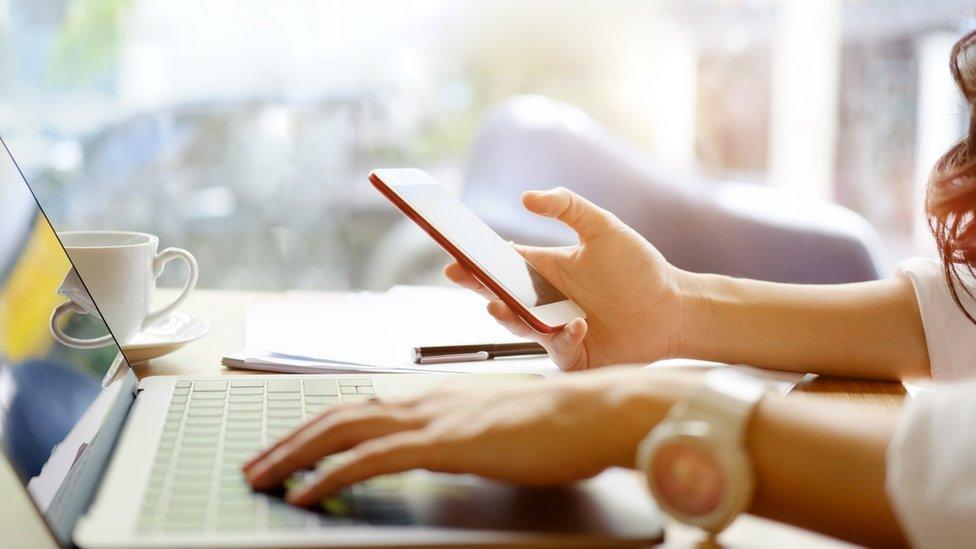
(119, 269)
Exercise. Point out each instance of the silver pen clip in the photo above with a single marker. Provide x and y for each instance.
(443, 359)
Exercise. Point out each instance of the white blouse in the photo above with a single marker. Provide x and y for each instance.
(931, 469)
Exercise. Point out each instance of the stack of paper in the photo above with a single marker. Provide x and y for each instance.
(373, 332)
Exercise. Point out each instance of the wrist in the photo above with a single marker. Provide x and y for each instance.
(698, 330)
(643, 402)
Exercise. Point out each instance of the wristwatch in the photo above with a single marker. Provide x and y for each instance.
(695, 460)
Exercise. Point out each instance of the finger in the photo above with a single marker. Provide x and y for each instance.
(587, 219)
(462, 277)
(338, 435)
(567, 344)
(543, 259)
(542, 254)
(511, 321)
(312, 423)
(392, 454)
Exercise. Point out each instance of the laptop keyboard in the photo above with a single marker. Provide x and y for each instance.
(213, 426)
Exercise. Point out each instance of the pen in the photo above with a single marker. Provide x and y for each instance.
(467, 353)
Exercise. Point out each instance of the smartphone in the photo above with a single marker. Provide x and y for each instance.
(492, 260)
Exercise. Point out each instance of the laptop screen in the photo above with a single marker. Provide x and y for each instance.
(45, 387)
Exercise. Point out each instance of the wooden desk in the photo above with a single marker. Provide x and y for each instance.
(224, 311)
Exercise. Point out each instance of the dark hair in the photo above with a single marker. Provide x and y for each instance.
(950, 202)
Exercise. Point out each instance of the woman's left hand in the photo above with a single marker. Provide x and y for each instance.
(534, 433)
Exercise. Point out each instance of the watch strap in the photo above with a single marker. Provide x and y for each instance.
(727, 398)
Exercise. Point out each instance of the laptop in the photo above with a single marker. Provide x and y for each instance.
(107, 460)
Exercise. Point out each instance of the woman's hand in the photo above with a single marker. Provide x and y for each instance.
(534, 433)
(627, 288)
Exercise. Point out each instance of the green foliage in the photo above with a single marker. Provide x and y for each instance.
(88, 45)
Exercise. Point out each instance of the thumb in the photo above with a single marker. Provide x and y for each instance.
(534, 254)
(543, 259)
(587, 219)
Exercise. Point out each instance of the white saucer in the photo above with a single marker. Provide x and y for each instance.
(164, 336)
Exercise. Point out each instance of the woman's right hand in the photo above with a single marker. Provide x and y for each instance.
(630, 293)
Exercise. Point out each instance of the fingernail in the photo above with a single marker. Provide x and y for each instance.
(256, 472)
(292, 496)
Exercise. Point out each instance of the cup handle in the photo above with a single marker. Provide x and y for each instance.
(159, 262)
(65, 339)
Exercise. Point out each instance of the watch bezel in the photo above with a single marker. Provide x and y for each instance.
(728, 452)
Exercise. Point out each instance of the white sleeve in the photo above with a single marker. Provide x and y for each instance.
(930, 478)
(949, 335)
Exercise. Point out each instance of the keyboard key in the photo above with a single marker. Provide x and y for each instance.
(245, 415)
(284, 396)
(191, 484)
(204, 412)
(244, 426)
(356, 398)
(233, 435)
(284, 412)
(284, 405)
(197, 449)
(246, 507)
(183, 383)
(232, 489)
(314, 399)
(181, 391)
(214, 395)
(202, 427)
(284, 386)
(241, 447)
(205, 386)
(246, 383)
(237, 457)
(348, 389)
(190, 520)
(355, 382)
(257, 399)
(206, 403)
(235, 523)
(231, 475)
(182, 528)
(190, 502)
(244, 407)
(196, 463)
(246, 390)
(321, 387)
(364, 390)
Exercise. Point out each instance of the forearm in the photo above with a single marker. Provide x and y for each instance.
(821, 466)
(869, 329)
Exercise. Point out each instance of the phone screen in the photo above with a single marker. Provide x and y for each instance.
(481, 244)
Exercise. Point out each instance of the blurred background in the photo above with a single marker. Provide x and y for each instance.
(780, 139)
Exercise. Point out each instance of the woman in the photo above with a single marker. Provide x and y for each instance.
(867, 476)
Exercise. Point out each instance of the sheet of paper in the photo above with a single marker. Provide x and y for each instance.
(376, 332)
(370, 329)
(777, 381)
(538, 366)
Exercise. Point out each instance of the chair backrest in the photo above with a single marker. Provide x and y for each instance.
(706, 226)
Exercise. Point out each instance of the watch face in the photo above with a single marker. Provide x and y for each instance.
(688, 477)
